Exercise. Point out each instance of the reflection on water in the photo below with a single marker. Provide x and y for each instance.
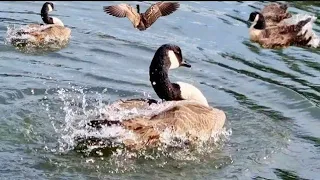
(271, 97)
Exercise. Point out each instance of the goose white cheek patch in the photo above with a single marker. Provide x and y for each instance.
(256, 18)
(173, 59)
(50, 8)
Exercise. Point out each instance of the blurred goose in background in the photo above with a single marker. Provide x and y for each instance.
(142, 21)
(188, 113)
(53, 30)
(279, 36)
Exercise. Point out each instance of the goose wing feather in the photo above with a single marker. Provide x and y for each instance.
(159, 9)
(278, 40)
(123, 10)
(294, 28)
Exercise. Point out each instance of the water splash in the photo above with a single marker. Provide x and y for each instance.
(79, 110)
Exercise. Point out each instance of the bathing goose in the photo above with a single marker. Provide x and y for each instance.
(188, 112)
(38, 34)
(277, 36)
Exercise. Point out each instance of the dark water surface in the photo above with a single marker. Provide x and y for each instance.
(271, 97)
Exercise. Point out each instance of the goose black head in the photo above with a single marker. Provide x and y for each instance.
(47, 7)
(172, 56)
(257, 19)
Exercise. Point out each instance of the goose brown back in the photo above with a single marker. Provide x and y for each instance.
(192, 120)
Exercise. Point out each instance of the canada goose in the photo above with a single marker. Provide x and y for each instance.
(274, 13)
(277, 36)
(142, 21)
(189, 113)
(37, 34)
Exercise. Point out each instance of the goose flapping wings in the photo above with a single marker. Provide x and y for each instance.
(150, 16)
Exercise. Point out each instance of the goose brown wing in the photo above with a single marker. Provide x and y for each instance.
(302, 39)
(123, 10)
(295, 28)
(277, 40)
(159, 9)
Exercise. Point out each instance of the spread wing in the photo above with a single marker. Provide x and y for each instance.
(123, 10)
(159, 9)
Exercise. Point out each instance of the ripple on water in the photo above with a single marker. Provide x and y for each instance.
(271, 97)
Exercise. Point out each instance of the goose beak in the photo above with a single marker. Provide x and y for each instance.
(185, 64)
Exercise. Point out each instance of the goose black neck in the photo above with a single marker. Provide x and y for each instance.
(45, 15)
(159, 79)
(138, 8)
(261, 23)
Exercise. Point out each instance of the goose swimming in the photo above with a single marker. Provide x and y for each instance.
(279, 36)
(38, 34)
